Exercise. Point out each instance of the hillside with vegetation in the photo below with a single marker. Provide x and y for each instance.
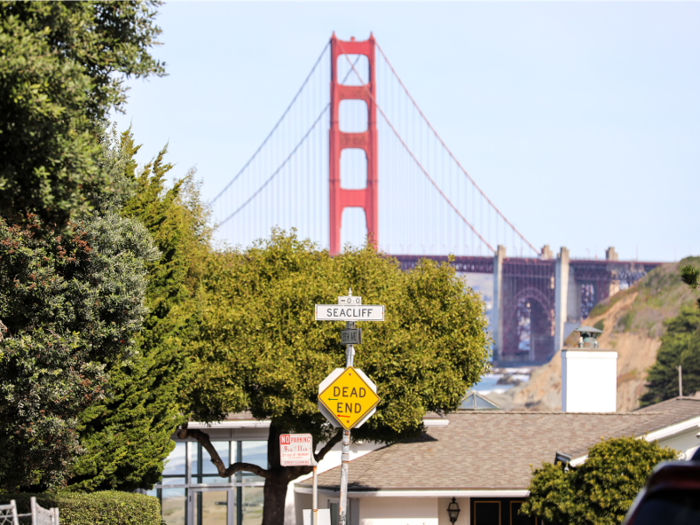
(632, 321)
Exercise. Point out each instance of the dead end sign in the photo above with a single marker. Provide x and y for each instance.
(350, 397)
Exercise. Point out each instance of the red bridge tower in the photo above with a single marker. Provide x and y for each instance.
(340, 198)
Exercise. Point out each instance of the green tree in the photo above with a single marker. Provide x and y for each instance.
(261, 349)
(600, 490)
(62, 68)
(127, 436)
(680, 346)
(68, 304)
(691, 277)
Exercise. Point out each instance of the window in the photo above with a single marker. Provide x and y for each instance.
(487, 513)
(192, 492)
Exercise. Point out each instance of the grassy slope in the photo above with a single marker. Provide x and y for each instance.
(632, 322)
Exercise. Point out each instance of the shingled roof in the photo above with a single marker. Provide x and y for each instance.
(493, 450)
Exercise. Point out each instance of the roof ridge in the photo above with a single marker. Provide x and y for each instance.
(540, 412)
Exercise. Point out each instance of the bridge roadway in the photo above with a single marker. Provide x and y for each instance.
(538, 302)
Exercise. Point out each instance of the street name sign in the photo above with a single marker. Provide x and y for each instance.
(349, 397)
(349, 300)
(296, 450)
(351, 336)
(335, 312)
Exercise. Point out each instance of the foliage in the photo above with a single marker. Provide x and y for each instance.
(127, 436)
(62, 68)
(655, 298)
(679, 346)
(599, 491)
(261, 349)
(100, 508)
(67, 305)
(259, 333)
(691, 277)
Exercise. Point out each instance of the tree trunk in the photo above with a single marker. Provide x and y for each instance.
(276, 481)
(275, 496)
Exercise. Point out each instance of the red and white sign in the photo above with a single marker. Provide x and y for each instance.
(296, 450)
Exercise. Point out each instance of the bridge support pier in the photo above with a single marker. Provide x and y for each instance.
(561, 296)
(497, 308)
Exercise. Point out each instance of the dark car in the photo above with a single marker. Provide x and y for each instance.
(671, 495)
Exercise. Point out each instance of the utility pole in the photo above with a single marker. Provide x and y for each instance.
(680, 380)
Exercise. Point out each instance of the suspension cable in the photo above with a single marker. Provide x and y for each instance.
(274, 174)
(275, 127)
(413, 156)
(450, 152)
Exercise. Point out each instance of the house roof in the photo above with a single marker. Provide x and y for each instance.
(493, 450)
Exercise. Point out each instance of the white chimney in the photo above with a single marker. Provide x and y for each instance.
(588, 376)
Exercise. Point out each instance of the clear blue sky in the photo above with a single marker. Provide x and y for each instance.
(581, 121)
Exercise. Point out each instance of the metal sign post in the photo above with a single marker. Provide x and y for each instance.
(345, 456)
(314, 504)
(347, 397)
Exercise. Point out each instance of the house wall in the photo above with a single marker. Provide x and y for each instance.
(399, 511)
(295, 503)
(464, 505)
(686, 442)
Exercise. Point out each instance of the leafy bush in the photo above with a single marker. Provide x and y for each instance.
(99, 508)
(599, 491)
(68, 304)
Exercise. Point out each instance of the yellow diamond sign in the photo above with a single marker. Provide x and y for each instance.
(349, 397)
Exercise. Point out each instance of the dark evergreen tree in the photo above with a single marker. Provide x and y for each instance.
(127, 436)
(680, 346)
(62, 70)
(691, 277)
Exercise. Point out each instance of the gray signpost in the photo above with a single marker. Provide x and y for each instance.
(350, 310)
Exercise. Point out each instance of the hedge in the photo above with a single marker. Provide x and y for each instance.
(98, 508)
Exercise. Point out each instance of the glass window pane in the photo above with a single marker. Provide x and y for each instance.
(252, 505)
(173, 481)
(254, 452)
(177, 461)
(222, 448)
(174, 502)
(196, 453)
(487, 513)
(211, 507)
(216, 480)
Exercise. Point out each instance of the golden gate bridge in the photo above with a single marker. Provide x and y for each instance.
(354, 157)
